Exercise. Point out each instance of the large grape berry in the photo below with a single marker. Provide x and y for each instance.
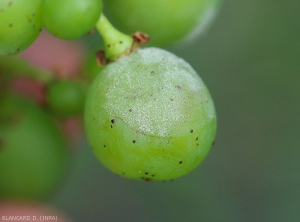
(20, 24)
(33, 151)
(165, 21)
(70, 19)
(149, 116)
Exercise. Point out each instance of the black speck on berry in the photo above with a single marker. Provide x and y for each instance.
(112, 121)
(134, 141)
(197, 138)
(180, 162)
(191, 130)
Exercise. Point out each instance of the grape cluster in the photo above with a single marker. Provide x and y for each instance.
(147, 113)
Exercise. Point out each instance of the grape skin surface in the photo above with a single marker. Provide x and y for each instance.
(167, 22)
(70, 19)
(20, 24)
(33, 152)
(149, 116)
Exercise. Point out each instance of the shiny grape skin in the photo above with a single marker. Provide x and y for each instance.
(167, 22)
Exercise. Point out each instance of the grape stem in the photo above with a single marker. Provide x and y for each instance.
(116, 43)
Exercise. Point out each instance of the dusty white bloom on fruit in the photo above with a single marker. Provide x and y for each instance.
(150, 116)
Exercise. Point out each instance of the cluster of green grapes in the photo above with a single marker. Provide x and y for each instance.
(147, 113)
(22, 21)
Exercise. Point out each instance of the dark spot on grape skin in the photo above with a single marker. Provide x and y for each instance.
(1, 10)
(180, 162)
(123, 173)
(121, 42)
(104, 146)
(134, 141)
(191, 130)
(197, 138)
(130, 110)
(112, 121)
(152, 175)
(111, 126)
(178, 87)
(9, 3)
(146, 173)
(108, 45)
(197, 144)
(213, 143)
(33, 14)
(10, 25)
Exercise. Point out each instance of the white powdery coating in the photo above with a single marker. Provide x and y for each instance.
(152, 91)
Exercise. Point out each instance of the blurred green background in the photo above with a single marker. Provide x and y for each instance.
(250, 61)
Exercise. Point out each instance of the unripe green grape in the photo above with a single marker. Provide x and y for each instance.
(20, 24)
(66, 98)
(70, 19)
(33, 152)
(165, 21)
(149, 116)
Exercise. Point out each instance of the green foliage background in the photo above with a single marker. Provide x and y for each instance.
(250, 61)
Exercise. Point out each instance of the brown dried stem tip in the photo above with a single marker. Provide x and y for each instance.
(140, 37)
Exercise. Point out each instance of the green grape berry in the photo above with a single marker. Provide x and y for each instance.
(33, 151)
(70, 19)
(66, 98)
(166, 22)
(20, 24)
(149, 116)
